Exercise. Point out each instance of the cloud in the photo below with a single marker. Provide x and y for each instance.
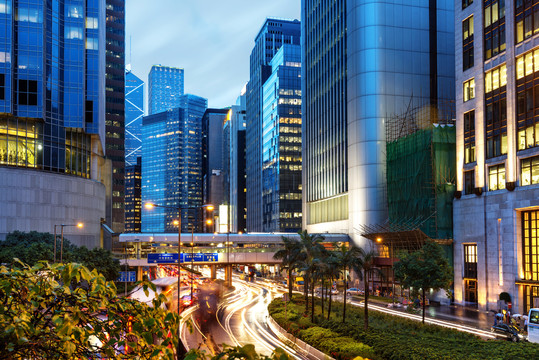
(210, 39)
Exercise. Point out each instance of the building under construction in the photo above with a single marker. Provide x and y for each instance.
(420, 173)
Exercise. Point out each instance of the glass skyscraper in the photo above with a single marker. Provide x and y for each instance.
(134, 111)
(281, 142)
(172, 165)
(273, 34)
(380, 58)
(115, 112)
(165, 87)
(52, 114)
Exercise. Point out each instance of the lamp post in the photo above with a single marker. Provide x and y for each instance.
(178, 222)
(62, 226)
(391, 256)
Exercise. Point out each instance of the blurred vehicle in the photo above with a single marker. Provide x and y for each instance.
(354, 291)
(533, 325)
(334, 292)
(258, 274)
(186, 300)
(508, 332)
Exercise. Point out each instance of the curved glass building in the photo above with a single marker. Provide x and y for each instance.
(52, 105)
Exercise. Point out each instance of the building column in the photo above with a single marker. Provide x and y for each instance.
(139, 273)
(213, 269)
(228, 275)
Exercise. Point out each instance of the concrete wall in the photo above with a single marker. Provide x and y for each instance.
(493, 222)
(33, 200)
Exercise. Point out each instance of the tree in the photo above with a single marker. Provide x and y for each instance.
(347, 256)
(365, 268)
(65, 311)
(311, 246)
(424, 269)
(290, 257)
(34, 246)
(333, 271)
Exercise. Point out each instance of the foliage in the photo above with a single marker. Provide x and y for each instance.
(290, 257)
(393, 337)
(65, 311)
(332, 343)
(364, 267)
(424, 269)
(246, 352)
(34, 246)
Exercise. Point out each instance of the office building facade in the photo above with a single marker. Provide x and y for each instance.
(496, 206)
(165, 87)
(234, 164)
(273, 34)
(358, 70)
(212, 156)
(172, 166)
(115, 112)
(52, 118)
(281, 142)
(134, 111)
(133, 197)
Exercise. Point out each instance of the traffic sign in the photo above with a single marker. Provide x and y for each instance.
(131, 276)
(165, 258)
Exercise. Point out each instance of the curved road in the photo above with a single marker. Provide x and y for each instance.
(241, 319)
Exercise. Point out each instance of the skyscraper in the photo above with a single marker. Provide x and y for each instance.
(273, 34)
(359, 69)
(165, 87)
(133, 197)
(52, 118)
(496, 213)
(172, 165)
(115, 109)
(281, 142)
(212, 155)
(234, 164)
(134, 111)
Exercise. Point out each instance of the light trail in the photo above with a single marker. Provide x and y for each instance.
(438, 322)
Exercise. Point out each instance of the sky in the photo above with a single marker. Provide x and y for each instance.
(210, 39)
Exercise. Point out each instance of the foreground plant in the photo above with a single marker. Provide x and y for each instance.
(65, 311)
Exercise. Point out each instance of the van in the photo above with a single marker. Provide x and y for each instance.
(533, 325)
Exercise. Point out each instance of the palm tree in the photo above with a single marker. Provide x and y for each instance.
(347, 256)
(311, 247)
(333, 271)
(365, 267)
(290, 256)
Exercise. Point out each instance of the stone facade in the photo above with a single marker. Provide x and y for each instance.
(493, 222)
(34, 200)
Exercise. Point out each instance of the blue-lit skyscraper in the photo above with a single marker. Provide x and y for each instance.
(52, 116)
(281, 139)
(134, 111)
(165, 87)
(273, 34)
(172, 165)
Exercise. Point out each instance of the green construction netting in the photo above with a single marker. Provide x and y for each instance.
(421, 179)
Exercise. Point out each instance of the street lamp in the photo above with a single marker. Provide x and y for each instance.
(62, 226)
(391, 256)
(178, 222)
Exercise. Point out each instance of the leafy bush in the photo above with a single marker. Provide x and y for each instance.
(392, 337)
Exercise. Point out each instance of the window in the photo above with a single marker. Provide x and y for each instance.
(469, 92)
(470, 261)
(529, 171)
(530, 244)
(469, 182)
(496, 177)
(494, 33)
(27, 92)
(469, 137)
(89, 111)
(526, 19)
(2, 86)
(528, 100)
(466, 3)
(467, 43)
